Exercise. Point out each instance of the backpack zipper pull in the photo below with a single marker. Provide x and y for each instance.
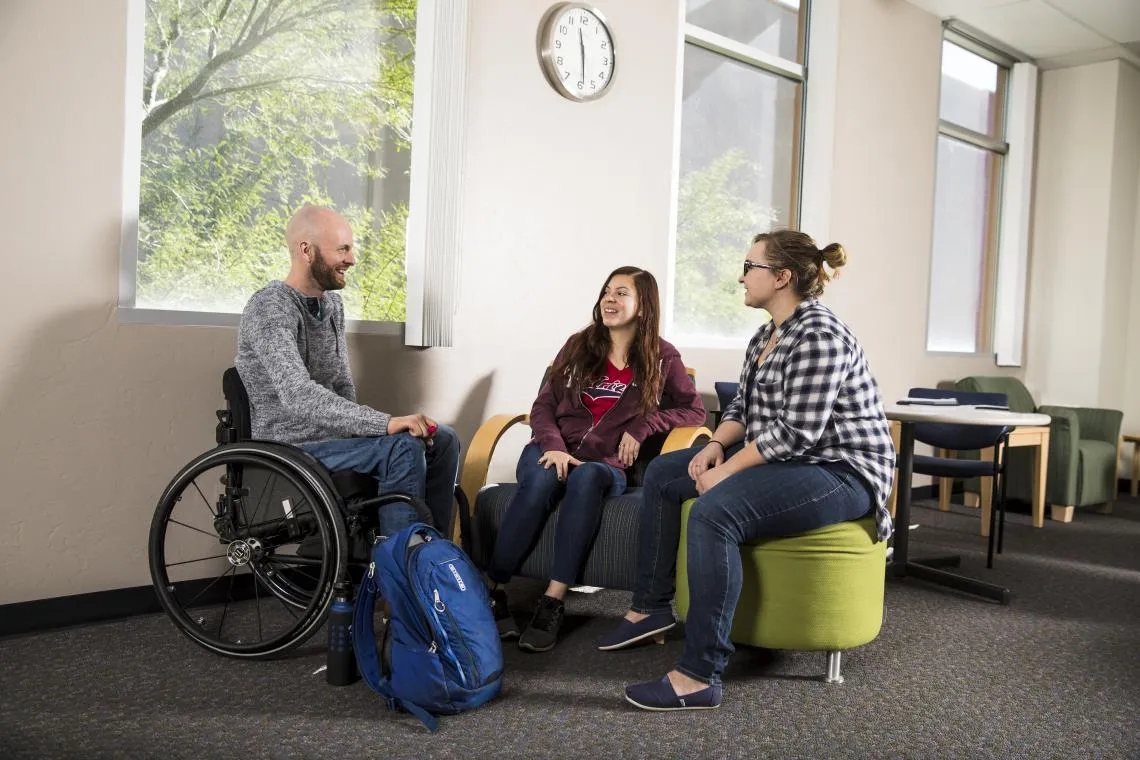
(439, 605)
(433, 648)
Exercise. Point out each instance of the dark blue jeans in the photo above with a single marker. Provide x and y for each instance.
(582, 496)
(401, 463)
(767, 501)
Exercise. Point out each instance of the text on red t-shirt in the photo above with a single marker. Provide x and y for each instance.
(600, 397)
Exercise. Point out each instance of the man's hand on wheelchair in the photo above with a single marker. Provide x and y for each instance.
(415, 425)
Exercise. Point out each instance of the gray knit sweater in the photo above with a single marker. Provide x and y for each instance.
(295, 370)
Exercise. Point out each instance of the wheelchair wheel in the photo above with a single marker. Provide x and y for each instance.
(246, 545)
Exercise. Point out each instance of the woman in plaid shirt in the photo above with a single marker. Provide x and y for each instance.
(804, 444)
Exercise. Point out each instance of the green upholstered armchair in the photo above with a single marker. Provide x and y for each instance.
(1083, 448)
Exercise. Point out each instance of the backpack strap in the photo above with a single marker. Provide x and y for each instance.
(466, 534)
(367, 657)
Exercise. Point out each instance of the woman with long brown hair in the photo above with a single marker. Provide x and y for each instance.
(611, 386)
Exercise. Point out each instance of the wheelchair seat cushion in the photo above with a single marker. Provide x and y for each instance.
(353, 486)
(612, 562)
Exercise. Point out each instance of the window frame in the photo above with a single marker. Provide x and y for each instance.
(998, 147)
(793, 71)
(439, 92)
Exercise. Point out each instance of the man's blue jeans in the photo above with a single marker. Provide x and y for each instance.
(766, 501)
(401, 463)
(583, 494)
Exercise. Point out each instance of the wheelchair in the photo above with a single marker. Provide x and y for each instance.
(251, 539)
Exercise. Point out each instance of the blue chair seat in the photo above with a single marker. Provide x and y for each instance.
(942, 467)
(725, 393)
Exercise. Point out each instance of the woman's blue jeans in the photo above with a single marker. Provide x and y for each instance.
(401, 463)
(767, 501)
(583, 495)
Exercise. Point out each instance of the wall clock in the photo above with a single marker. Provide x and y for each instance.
(576, 50)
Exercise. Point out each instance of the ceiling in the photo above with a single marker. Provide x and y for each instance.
(1055, 33)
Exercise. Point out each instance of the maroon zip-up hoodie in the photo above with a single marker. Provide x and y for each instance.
(561, 422)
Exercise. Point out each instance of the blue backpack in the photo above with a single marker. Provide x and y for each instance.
(441, 652)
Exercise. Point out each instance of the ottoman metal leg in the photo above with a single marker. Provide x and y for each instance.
(833, 664)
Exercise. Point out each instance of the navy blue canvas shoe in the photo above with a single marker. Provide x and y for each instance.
(630, 633)
(659, 695)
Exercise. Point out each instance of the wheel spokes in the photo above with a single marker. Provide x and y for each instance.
(290, 558)
(191, 527)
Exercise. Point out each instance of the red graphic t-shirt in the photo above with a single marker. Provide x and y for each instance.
(602, 395)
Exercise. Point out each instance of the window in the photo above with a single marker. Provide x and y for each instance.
(739, 154)
(971, 153)
(248, 109)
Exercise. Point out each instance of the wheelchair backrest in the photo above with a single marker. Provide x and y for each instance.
(238, 402)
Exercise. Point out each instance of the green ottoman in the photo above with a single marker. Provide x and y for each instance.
(816, 591)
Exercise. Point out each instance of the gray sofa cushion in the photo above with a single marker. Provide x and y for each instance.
(612, 562)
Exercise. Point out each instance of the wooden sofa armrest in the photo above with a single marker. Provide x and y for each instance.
(482, 448)
(684, 437)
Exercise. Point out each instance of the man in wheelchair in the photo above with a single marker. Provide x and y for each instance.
(293, 360)
(251, 539)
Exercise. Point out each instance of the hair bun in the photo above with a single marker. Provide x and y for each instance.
(833, 255)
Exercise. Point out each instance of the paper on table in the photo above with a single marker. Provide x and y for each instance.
(930, 401)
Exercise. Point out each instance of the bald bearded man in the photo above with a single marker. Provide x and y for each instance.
(293, 359)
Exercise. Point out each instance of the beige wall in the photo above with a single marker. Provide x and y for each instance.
(1132, 408)
(1125, 243)
(1086, 260)
(1118, 387)
(98, 415)
(95, 415)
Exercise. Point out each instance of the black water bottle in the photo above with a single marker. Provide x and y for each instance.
(341, 670)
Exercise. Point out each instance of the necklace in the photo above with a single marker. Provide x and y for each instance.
(769, 346)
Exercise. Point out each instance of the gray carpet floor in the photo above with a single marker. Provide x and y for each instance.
(1056, 674)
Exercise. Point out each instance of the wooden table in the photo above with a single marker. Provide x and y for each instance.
(908, 415)
(1135, 441)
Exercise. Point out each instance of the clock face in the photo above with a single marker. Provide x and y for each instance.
(577, 51)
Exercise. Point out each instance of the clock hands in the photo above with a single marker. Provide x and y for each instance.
(582, 49)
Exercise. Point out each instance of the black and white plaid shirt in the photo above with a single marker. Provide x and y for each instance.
(814, 400)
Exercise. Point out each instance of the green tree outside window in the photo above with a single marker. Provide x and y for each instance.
(715, 221)
(253, 107)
